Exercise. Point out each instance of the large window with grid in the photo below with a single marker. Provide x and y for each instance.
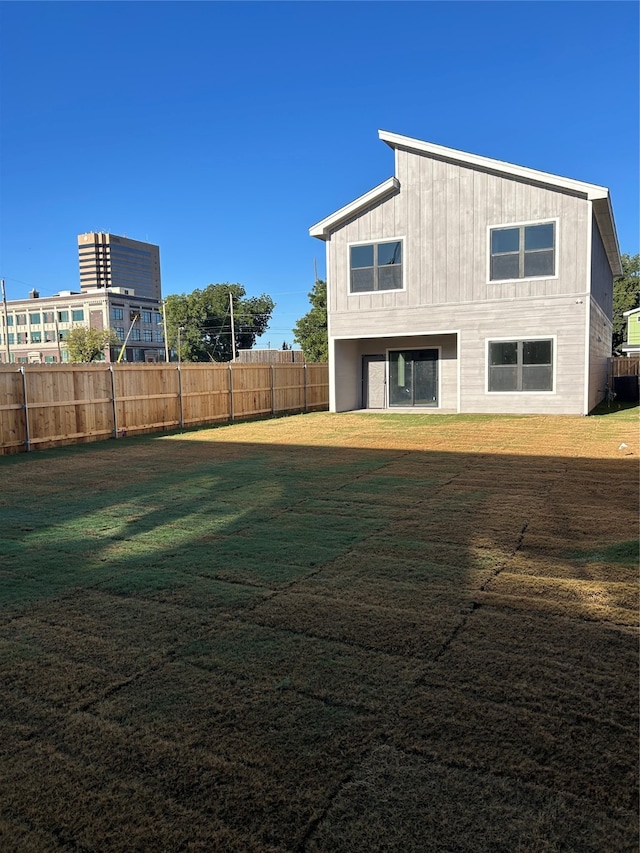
(521, 365)
(376, 266)
(523, 251)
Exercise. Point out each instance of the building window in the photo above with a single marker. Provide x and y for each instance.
(49, 336)
(119, 333)
(147, 335)
(377, 266)
(11, 338)
(77, 315)
(521, 365)
(34, 319)
(523, 251)
(21, 319)
(10, 320)
(49, 359)
(48, 317)
(146, 316)
(36, 337)
(135, 334)
(63, 316)
(117, 313)
(157, 318)
(138, 354)
(159, 337)
(22, 337)
(63, 334)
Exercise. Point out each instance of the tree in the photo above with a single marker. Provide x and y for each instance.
(202, 321)
(311, 331)
(626, 296)
(84, 344)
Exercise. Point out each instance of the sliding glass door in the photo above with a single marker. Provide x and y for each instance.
(413, 377)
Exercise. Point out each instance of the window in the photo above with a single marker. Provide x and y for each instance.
(11, 338)
(135, 334)
(157, 318)
(159, 337)
(48, 317)
(524, 251)
(77, 315)
(147, 335)
(64, 334)
(521, 365)
(117, 313)
(63, 316)
(49, 336)
(49, 359)
(21, 319)
(377, 266)
(36, 337)
(34, 319)
(413, 378)
(10, 320)
(119, 333)
(146, 316)
(22, 337)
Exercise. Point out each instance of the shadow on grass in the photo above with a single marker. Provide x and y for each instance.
(233, 646)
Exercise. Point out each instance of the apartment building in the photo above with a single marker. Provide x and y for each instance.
(34, 330)
(108, 261)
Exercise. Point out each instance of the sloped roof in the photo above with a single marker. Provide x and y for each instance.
(594, 193)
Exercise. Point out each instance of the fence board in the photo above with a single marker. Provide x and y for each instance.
(73, 403)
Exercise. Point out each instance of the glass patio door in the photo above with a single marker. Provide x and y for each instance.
(413, 377)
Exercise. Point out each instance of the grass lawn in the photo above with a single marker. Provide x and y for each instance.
(324, 634)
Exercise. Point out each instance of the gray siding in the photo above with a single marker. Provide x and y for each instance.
(599, 354)
(601, 275)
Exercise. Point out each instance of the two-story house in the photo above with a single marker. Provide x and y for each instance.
(466, 284)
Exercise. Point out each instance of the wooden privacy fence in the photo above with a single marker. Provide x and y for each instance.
(47, 405)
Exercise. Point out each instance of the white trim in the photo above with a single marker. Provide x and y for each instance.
(590, 191)
(556, 256)
(632, 311)
(587, 314)
(406, 334)
(375, 243)
(459, 370)
(386, 188)
(520, 394)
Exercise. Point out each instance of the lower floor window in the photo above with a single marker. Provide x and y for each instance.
(521, 365)
(413, 378)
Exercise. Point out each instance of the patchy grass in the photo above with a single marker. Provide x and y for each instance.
(324, 633)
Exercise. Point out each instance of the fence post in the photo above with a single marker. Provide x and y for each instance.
(273, 393)
(231, 412)
(179, 366)
(306, 406)
(27, 440)
(113, 402)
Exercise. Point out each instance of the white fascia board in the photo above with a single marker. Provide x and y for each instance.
(324, 227)
(628, 313)
(590, 191)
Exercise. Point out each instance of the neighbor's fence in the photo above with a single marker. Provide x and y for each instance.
(47, 405)
(625, 366)
(624, 378)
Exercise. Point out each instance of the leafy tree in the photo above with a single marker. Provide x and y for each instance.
(626, 295)
(203, 320)
(84, 344)
(311, 331)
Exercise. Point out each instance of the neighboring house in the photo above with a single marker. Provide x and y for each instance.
(466, 284)
(631, 346)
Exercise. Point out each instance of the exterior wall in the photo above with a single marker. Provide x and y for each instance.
(443, 212)
(97, 312)
(600, 329)
(633, 328)
(601, 275)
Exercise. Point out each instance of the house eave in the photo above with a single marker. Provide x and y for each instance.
(386, 189)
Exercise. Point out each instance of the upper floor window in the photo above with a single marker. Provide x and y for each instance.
(21, 319)
(377, 266)
(117, 313)
(63, 316)
(34, 319)
(146, 316)
(48, 317)
(77, 314)
(523, 251)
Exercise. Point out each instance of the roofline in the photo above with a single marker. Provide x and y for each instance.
(387, 188)
(632, 311)
(590, 191)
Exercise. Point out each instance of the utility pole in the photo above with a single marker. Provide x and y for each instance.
(6, 322)
(233, 331)
(164, 324)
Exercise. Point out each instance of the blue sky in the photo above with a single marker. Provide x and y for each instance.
(222, 131)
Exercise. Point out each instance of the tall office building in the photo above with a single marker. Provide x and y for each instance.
(110, 261)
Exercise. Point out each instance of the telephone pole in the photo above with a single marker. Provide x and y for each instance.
(6, 321)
